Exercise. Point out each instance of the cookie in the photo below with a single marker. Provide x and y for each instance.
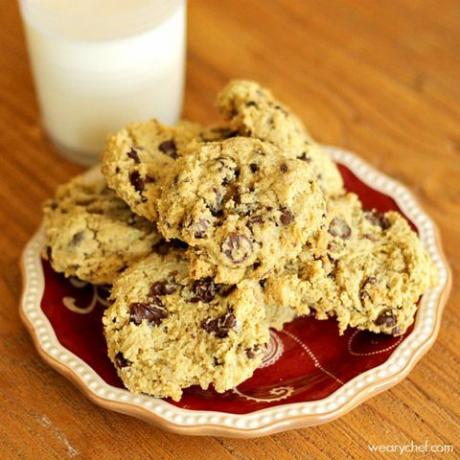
(242, 206)
(365, 268)
(253, 111)
(278, 315)
(92, 234)
(166, 332)
(137, 158)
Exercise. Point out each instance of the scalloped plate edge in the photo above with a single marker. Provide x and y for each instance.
(270, 420)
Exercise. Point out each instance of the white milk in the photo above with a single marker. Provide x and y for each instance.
(99, 64)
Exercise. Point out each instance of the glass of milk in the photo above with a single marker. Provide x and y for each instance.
(100, 64)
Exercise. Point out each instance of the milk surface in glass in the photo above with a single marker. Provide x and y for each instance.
(99, 64)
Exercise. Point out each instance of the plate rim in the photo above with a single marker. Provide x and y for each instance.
(273, 419)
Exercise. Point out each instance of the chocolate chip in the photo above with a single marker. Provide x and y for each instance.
(200, 227)
(256, 265)
(220, 326)
(363, 291)
(226, 167)
(304, 157)
(252, 352)
(153, 311)
(286, 216)
(370, 280)
(255, 220)
(236, 196)
(284, 168)
(262, 283)
(218, 214)
(386, 318)
(216, 208)
(378, 219)
(332, 275)
(121, 361)
(77, 238)
(204, 290)
(237, 247)
(163, 288)
(224, 290)
(253, 167)
(169, 148)
(222, 163)
(134, 156)
(333, 267)
(136, 181)
(339, 228)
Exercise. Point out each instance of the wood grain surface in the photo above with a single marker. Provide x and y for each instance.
(379, 78)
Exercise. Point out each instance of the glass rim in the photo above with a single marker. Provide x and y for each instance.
(139, 22)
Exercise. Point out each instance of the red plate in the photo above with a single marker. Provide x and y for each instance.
(306, 362)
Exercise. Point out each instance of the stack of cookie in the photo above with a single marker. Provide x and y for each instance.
(210, 236)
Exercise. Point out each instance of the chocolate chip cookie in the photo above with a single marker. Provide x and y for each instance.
(252, 111)
(242, 206)
(138, 157)
(166, 332)
(92, 234)
(365, 268)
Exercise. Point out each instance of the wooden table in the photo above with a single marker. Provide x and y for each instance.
(379, 78)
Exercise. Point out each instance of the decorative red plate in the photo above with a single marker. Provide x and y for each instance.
(310, 374)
